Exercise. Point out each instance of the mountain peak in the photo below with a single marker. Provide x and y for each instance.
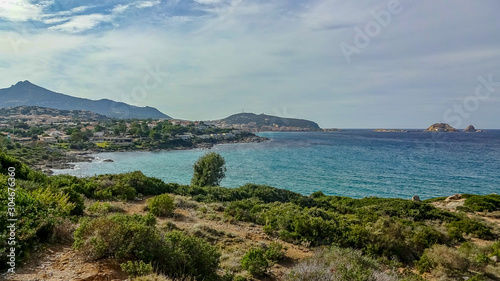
(25, 82)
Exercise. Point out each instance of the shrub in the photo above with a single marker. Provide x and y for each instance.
(338, 264)
(38, 213)
(118, 236)
(483, 203)
(136, 268)
(103, 208)
(161, 205)
(136, 238)
(255, 262)
(317, 194)
(244, 210)
(468, 226)
(274, 252)
(188, 255)
(445, 259)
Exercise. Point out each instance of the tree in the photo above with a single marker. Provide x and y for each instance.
(209, 170)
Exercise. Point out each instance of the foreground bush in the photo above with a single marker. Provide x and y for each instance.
(255, 262)
(135, 238)
(339, 264)
(38, 213)
(161, 205)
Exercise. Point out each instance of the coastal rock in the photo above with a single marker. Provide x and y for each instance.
(108, 160)
(471, 129)
(441, 127)
(416, 198)
(457, 196)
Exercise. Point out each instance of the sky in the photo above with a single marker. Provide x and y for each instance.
(341, 63)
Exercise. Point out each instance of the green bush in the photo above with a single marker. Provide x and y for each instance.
(136, 238)
(188, 255)
(468, 226)
(274, 252)
(255, 262)
(37, 211)
(161, 205)
(446, 259)
(136, 268)
(483, 203)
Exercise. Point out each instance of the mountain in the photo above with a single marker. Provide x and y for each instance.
(26, 93)
(262, 122)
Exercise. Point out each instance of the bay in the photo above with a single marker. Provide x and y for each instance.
(354, 163)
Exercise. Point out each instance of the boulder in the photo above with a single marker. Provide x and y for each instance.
(495, 259)
(457, 196)
(416, 198)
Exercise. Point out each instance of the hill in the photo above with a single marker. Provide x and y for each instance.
(33, 111)
(26, 93)
(263, 122)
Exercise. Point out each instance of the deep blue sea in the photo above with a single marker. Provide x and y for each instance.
(354, 163)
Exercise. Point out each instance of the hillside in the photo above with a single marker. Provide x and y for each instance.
(26, 93)
(27, 111)
(263, 122)
(108, 227)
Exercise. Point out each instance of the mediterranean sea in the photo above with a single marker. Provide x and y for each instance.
(354, 163)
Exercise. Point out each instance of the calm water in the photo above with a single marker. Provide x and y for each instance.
(355, 163)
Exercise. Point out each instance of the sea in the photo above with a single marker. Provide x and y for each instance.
(353, 163)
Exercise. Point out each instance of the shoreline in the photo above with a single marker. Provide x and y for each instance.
(73, 157)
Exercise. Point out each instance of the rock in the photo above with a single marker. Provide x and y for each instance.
(441, 127)
(495, 259)
(416, 198)
(108, 160)
(470, 129)
(457, 196)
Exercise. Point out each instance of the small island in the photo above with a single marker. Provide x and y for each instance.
(471, 129)
(441, 127)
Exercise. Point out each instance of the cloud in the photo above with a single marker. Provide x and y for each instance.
(22, 10)
(82, 23)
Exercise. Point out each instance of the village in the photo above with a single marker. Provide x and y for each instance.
(83, 129)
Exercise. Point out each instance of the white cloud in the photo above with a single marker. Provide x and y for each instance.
(82, 23)
(147, 4)
(21, 10)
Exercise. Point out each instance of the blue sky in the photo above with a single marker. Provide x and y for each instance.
(341, 63)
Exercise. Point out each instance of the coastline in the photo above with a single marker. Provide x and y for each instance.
(73, 157)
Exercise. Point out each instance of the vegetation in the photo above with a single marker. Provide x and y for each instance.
(161, 205)
(353, 239)
(209, 170)
(255, 262)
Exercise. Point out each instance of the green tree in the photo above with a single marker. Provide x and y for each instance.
(209, 170)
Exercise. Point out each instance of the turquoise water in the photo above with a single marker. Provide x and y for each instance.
(355, 163)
